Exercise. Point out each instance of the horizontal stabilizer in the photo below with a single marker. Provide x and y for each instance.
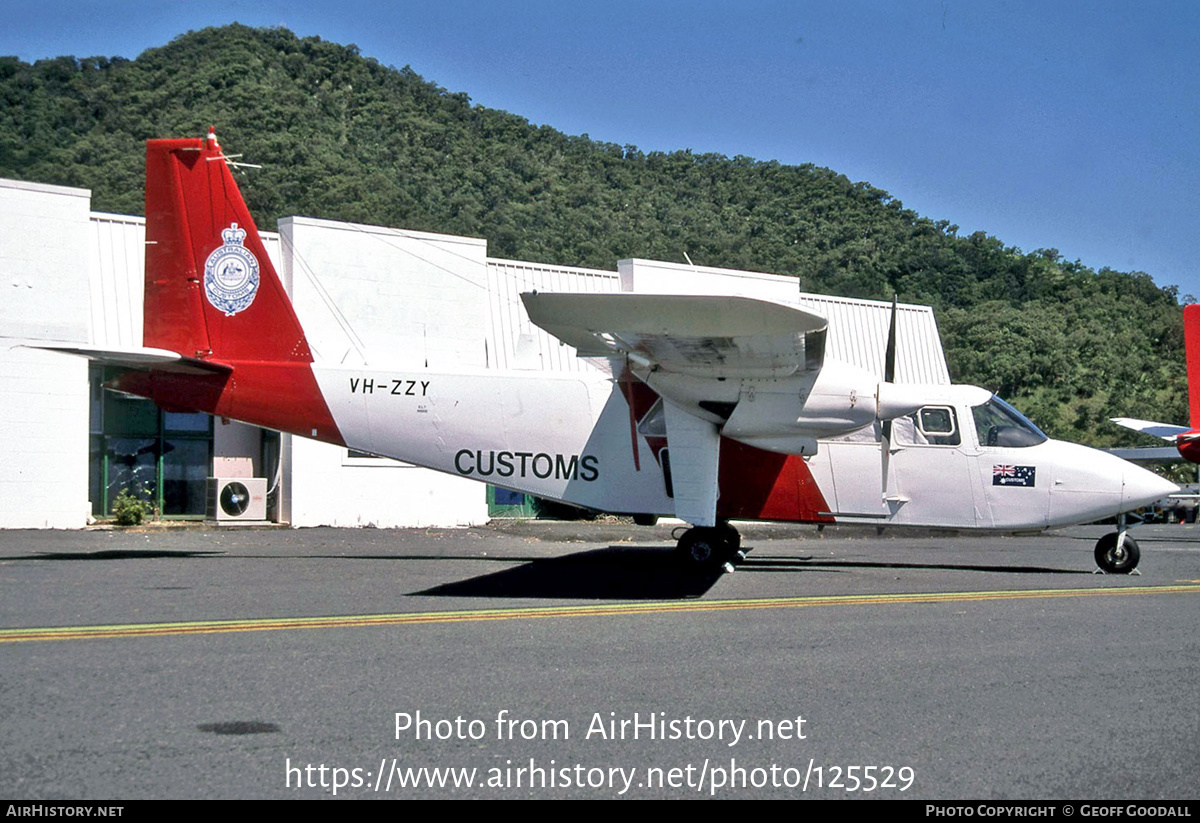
(142, 359)
(704, 335)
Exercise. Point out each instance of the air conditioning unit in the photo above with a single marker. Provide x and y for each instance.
(236, 499)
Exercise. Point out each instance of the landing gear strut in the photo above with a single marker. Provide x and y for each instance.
(711, 547)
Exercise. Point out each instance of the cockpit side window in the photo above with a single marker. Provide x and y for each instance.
(937, 426)
(1000, 425)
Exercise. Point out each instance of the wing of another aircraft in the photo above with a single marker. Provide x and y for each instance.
(1185, 438)
(1164, 430)
(699, 335)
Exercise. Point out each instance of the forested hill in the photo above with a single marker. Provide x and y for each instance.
(344, 137)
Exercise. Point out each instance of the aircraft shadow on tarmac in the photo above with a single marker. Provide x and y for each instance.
(777, 564)
(115, 554)
(651, 573)
(616, 572)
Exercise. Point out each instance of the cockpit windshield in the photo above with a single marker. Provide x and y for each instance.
(999, 424)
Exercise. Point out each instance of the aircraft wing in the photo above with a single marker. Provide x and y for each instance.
(1164, 430)
(140, 359)
(1152, 454)
(700, 335)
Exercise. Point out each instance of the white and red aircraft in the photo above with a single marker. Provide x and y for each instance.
(1185, 438)
(717, 409)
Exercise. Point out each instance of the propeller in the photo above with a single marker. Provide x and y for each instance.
(892, 400)
(889, 377)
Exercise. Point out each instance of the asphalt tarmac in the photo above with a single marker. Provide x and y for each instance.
(553, 660)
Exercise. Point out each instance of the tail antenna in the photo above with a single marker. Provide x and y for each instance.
(230, 159)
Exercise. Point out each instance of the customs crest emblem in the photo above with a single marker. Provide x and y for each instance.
(231, 273)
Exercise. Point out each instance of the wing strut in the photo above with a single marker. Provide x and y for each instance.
(626, 385)
(695, 447)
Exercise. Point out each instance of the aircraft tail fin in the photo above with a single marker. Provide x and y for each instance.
(220, 332)
(1191, 340)
(211, 290)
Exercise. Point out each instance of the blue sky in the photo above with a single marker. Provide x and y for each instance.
(1067, 125)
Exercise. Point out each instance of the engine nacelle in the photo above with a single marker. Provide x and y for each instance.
(781, 414)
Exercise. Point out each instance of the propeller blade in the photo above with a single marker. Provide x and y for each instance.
(885, 450)
(889, 366)
(889, 376)
(626, 384)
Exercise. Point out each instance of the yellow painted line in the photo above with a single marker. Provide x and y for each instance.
(599, 610)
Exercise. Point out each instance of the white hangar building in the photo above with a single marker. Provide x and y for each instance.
(364, 295)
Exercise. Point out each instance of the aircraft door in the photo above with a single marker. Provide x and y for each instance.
(1016, 489)
(854, 464)
(931, 473)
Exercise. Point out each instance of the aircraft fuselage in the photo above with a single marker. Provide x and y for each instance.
(571, 438)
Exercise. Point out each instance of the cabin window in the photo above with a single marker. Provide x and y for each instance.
(1000, 425)
(654, 421)
(930, 426)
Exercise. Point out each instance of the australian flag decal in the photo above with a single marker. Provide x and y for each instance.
(1006, 475)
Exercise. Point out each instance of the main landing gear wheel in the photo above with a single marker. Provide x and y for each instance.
(1117, 559)
(733, 542)
(710, 547)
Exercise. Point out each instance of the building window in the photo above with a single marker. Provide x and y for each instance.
(162, 457)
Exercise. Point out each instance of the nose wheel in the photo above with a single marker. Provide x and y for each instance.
(1117, 553)
(710, 548)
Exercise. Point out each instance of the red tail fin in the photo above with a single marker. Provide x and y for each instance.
(1191, 341)
(212, 294)
(211, 291)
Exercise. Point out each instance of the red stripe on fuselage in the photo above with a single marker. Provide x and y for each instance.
(763, 485)
(280, 396)
(754, 484)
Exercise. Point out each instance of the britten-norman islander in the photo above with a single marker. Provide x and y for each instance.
(716, 409)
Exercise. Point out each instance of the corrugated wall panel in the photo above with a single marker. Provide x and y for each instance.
(857, 328)
(516, 342)
(116, 277)
(858, 331)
